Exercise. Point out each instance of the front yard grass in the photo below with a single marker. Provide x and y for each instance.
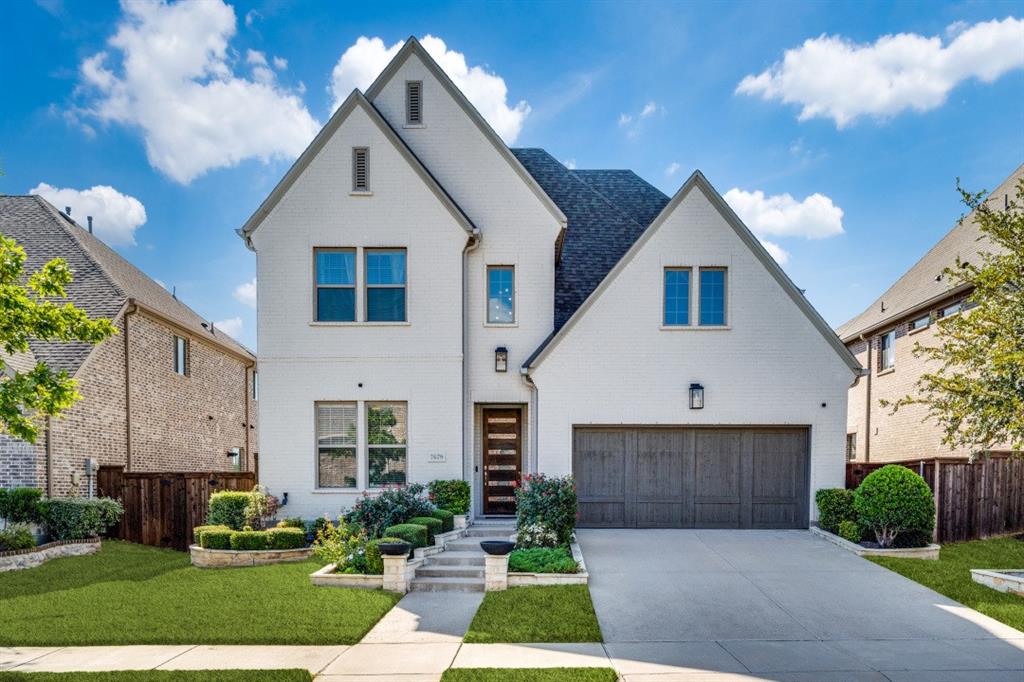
(558, 613)
(164, 676)
(951, 575)
(136, 594)
(529, 674)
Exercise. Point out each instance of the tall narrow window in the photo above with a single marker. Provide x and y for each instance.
(887, 354)
(677, 297)
(414, 103)
(336, 445)
(335, 285)
(712, 297)
(181, 356)
(501, 294)
(385, 285)
(386, 441)
(360, 169)
(255, 385)
(851, 446)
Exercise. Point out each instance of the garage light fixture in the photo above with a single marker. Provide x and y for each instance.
(696, 397)
(501, 359)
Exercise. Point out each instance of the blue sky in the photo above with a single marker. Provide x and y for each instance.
(187, 115)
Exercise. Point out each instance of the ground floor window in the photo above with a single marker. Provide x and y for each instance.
(336, 445)
(345, 452)
(386, 440)
(851, 446)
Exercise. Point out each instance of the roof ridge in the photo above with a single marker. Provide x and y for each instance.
(607, 200)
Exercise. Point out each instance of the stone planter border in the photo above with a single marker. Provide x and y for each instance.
(581, 577)
(1003, 581)
(30, 558)
(231, 558)
(930, 552)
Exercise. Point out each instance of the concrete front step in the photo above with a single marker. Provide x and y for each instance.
(453, 558)
(468, 544)
(450, 571)
(488, 531)
(447, 584)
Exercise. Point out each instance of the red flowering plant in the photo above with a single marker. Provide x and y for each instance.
(548, 501)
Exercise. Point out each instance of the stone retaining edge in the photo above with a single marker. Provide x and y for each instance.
(30, 558)
(929, 553)
(232, 558)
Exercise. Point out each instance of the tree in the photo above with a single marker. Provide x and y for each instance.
(28, 311)
(976, 394)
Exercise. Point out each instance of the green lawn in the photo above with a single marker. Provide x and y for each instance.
(951, 575)
(560, 613)
(530, 674)
(135, 594)
(164, 676)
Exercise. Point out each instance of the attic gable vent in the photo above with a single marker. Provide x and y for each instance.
(360, 169)
(414, 102)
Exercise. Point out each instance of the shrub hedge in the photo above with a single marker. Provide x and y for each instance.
(20, 505)
(292, 522)
(413, 533)
(199, 530)
(15, 538)
(75, 518)
(542, 560)
(450, 495)
(216, 537)
(433, 526)
(285, 538)
(835, 505)
(228, 508)
(894, 501)
(446, 518)
(247, 540)
(849, 530)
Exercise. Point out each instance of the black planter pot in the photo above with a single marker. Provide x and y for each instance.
(497, 547)
(394, 548)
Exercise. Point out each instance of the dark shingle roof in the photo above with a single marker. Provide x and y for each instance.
(103, 281)
(607, 211)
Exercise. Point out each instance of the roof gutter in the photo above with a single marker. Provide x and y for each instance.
(920, 307)
(247, 358)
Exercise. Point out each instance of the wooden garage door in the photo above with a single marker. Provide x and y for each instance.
(691, 478)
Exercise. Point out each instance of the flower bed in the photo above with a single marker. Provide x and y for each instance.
(30, 558)
(580, 577)
(929, 552)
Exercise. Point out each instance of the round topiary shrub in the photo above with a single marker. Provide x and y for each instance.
(894, 500)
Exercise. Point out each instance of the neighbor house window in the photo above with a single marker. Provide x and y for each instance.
(335, 285)
(501, 283)
(255, 385)
(360, 169)
(712, 296)
(920, 323)
(386, 439)
(336, 445)
(385, 285)
(235, 458)
(414, 102)
(952, 309)
(181, 356)
(887, 352)
(851, 446)
(677, 297)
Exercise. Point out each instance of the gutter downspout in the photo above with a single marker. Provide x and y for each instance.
(132, 307)
(49, 456)
(867, 403)
(471, 244)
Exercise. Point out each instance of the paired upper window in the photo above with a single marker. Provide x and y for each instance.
(181, 355)
(501, 294)
(338, 447)
(711, 302)
(336, 283)
(414, 103)
(920, 323)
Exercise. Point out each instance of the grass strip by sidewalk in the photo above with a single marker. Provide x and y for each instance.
(951, 575)
(557, 613)
(164, 676)
(136, 594)
(529, 675)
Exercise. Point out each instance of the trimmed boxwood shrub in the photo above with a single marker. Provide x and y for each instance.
(413, 533)
(243, 540)
(849, 530)
(374, 560)
(228, 508)
(446, 518)
(199, 530)
(292, 522)
(450, 495)
(835, 505)
(217, 537)
(285, 538)
(16, 538)
(550, 501)
(433, 526)
(542, 560)
(892, 501)
(75, 518)
(20, 505)
(391, 506)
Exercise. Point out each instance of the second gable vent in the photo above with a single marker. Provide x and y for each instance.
(360, 169)
(414, 102)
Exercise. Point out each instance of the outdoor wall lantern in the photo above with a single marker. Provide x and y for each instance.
(501, 359)
(696, 397)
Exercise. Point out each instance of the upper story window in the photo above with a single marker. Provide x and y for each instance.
(387, 431)
(336, 443)
(360, 169)
(712, 297)
(414, 103)
(181, 356)
(887, 350)
(677, 297)
(501, 294)
(335, 285)
(920, 323)
(255, 385)
(952, 309)
(385, 285)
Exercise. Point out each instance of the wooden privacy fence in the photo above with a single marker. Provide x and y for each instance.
(162, 508)
(973, 500)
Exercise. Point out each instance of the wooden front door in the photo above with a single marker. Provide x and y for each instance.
(503, 450)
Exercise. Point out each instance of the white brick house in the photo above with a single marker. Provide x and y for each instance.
(433, 305)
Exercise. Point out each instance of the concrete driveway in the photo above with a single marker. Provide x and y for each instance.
(780, 605)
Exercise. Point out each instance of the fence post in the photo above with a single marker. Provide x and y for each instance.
(936, 487)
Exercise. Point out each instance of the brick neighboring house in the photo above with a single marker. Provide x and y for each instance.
(883, 337)
(167, 393)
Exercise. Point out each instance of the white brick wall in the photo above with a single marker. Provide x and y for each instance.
(772, 367)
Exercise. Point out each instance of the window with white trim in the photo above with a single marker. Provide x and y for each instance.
(335, 277)
(676, 297)
(501, 294)
(385, 285)
(387, 431)
(336, 445)
(712, 297)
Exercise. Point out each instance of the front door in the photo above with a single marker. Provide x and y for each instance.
(503, 449)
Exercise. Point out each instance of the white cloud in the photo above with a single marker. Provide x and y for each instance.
(231, 326)
(780, 255)
(280, 63)
(624, 120)
(780, 215)
(255, 57)
(245, 293)
(115, 216)
(633, 123)
(174, 81)
(834, 77)
(672, 169)
(648, 109)
(570, 164)
(360, 64)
